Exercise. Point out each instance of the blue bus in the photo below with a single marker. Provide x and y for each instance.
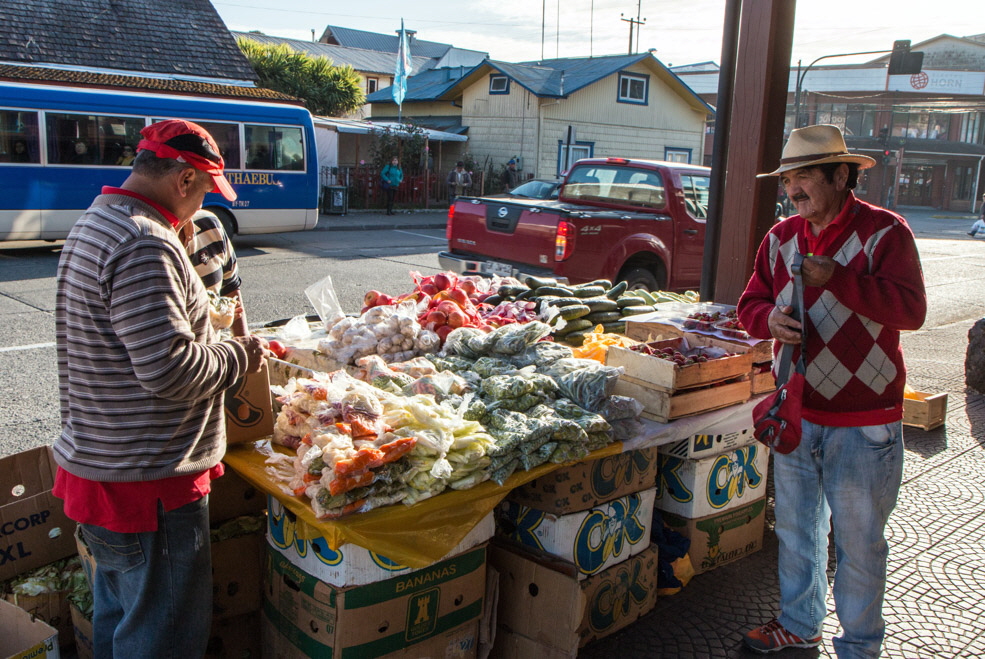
(60, 144)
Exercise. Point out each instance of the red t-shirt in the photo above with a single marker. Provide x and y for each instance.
(130, 507)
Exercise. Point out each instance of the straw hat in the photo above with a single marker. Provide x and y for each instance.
(816, 145)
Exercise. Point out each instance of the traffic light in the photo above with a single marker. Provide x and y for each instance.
(904, 62)
(885, 157)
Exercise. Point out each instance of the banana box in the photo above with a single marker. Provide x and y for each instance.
(349, 565)
(722, 537)
(697, 488)
(591, 540)
(706, 445)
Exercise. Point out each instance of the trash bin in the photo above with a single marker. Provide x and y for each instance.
(335, 200)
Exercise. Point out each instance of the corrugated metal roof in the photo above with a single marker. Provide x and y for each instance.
(370, 61)
(544, 78)
(389, 43)
(179, 37)
(17, 73)
(365, 127)
(427, 86)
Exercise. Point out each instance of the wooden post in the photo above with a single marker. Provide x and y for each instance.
(757, 109)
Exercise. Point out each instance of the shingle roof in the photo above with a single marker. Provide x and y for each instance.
(17, 73)
(179, 37)
(371, 61)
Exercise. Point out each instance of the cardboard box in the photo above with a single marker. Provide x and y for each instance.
(587, 484)
(52, 608)
(232, 497)
(662, 406)
(696, 488)
(591, 540)
(23, 637)
(542, 606)
(434, 611)
(82, 628)
(697, 447)
(235, 638)
(349, 565)
(924, 410)
(249, 413)
(665, 375)
(723, 537)
(34, 530)
(237, 573)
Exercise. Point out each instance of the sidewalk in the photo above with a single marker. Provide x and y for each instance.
(374, 220)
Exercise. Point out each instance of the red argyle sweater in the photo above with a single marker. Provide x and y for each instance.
(855, 371)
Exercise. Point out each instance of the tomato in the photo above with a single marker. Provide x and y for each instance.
(278, 348)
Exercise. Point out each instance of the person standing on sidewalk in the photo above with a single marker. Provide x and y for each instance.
(862, 284)
(459, 181)
(141, 379)
(390, 177)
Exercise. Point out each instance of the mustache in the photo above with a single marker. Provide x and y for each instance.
(800, 197)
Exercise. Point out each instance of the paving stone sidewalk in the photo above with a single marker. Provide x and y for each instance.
(935, 600)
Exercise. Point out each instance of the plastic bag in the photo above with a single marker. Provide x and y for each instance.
(322, 296)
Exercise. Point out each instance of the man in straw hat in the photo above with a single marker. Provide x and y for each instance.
(862, 285)
(141, 377)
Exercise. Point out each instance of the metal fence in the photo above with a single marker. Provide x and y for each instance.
(426, 189)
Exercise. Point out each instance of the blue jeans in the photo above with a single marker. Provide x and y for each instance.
(153, 591)
(851, 476)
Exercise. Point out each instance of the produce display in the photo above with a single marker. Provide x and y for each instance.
(490, 403)
(705, 321)
(222, 310)
(692, 356)
(391, 331)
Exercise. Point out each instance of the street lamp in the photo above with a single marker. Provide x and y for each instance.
(803, 74)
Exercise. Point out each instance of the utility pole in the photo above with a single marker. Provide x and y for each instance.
(633, 22)
(543, 19)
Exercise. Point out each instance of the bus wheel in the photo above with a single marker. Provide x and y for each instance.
(228, 224)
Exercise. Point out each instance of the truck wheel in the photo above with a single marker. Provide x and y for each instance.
(638, 278)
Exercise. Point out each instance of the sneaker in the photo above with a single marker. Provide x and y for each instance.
(971, 233)
(772, 637)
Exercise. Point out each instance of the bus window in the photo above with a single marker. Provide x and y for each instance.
(274, 147)
(86, 139)
(19, 137)
(226, 137)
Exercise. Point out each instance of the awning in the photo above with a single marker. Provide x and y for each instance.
(364, 127)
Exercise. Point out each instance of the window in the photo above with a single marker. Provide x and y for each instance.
(274, 147)
(86, 139)
(226, 137)
(860, 120)
(19, 136)
(695, 190)
(973, 128)
(579, 150)
(633, 88)
(963, 181)
(372, 84)
(616, 184)
(672, 154)
(499, 85)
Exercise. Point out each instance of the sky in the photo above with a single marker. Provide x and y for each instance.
(680, 31)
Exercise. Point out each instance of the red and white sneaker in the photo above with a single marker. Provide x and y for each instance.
(772, 637)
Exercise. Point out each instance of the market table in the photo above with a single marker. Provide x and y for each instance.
(425, 532)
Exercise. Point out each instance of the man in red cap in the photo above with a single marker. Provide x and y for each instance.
(141, 378)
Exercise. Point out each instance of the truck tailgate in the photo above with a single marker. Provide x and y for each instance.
(506, 231)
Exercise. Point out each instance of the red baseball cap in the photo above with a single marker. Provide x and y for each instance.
(187, 142)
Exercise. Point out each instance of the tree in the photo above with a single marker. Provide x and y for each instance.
(409, 144)
(326, 89)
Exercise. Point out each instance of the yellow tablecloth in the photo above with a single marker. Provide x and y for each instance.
(417, 535)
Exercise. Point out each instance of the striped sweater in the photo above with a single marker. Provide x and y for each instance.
(140, 375)
(212, 254)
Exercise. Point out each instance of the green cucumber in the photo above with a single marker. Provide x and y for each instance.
(588, 291)
(574, 311)
(618, 327)
(647, 297)
(636, 310)
(600, 304)
(537, 282)
(576, 339)
(560, 291)
(604, 316)
(604, 283)
(494, 299)
(565, 301)
(617, 290)
(510, 292)
(628, 301)
(525, 294)
(576, 325)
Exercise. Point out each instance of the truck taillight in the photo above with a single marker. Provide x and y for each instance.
(564, 240)
(451, 216)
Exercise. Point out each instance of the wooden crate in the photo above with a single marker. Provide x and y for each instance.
(924, 410)
(662, 329)
(762, 382)
(663, 406)
(667, 376)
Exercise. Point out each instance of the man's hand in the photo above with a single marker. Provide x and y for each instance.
(784, 328)
(256, 352)
(817, 270)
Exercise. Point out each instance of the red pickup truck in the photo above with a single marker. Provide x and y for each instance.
(639, 221)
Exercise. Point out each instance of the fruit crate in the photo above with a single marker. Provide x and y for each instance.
(924, 410)
(665, 375)
(663, 406)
